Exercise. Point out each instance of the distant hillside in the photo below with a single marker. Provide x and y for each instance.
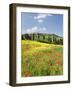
(45, 38)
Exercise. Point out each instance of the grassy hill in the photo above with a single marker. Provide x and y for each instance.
(41, 59)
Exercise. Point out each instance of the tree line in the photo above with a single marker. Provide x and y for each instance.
(45, 38)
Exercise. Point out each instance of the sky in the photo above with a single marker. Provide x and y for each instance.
(42, 23)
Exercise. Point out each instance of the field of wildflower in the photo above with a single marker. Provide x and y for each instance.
(41, 59)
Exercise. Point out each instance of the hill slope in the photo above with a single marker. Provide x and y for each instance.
(41, 59)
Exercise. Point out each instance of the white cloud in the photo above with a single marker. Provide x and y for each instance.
(40, 21)
(40, 17)
(35, 29)
(32, 30)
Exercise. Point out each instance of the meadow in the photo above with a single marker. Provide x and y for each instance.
(41, 59)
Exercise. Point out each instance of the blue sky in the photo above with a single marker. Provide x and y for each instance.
(42, 23)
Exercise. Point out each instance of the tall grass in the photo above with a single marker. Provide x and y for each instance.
(41, 59)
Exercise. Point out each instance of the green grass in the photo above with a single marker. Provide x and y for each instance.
(41, 59)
